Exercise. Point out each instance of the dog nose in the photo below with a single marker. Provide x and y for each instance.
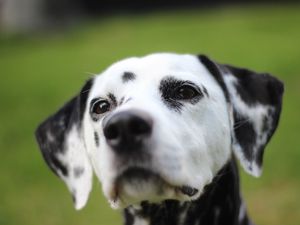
(126, 131)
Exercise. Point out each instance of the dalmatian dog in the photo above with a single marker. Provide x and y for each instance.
(163, 134)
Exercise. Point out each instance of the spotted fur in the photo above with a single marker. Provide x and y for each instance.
(199, 115)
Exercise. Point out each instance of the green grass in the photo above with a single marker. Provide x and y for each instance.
(35, 80)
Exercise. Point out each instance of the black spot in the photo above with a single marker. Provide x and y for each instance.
(84, 96)
(97, 140)
(58, 165)
(265, 126)
(74, 196)
(128, 76)
(168, 87)
(257, 87)
(245, 135)
(259, 156)
(78, 171)
(122, 100)
(215, 71)
(112, 98)
(205, 91)
(129, 218)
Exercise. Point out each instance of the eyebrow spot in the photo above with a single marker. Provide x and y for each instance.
(112, 98)
(122, 100)
(128, 76)
(205, 91)
(127, 100)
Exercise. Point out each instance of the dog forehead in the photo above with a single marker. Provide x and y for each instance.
(151, 70)
(156, 63)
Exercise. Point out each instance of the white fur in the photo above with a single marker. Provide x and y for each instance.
(75, 157)
(141, 221)
(242, 212)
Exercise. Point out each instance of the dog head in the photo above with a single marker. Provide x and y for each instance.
(160, 127)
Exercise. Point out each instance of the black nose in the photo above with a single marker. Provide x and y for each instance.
(127, 130)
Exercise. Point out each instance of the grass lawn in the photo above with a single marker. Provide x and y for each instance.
(38, 74)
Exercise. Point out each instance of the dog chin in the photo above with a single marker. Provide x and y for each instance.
(138, 184)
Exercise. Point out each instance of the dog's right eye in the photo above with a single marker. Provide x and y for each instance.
(185, 92)
(100, 107)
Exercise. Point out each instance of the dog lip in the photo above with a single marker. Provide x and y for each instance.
(130, 175)
(145, 174)
(139, 173)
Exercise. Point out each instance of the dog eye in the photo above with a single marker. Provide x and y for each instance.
(100, 107)
(185, 92)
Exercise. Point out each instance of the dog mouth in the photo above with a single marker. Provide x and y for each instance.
(138, 184)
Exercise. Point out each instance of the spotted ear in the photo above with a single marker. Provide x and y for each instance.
(62, 146)
(255, 101)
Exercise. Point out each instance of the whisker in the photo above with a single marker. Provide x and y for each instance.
(85, 91)
(240, 123)
(90, 73)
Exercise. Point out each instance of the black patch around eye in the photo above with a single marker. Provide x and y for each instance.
(166, 88)
(128, 76)
(169, 88)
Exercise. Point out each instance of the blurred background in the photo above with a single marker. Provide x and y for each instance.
(48, 48)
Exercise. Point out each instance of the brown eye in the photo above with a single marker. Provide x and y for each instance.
(185, 92)
(100, 107)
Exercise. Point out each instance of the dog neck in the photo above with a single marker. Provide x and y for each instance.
(220, 203)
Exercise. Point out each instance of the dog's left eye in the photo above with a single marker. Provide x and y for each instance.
(185, 92)
(100, 107)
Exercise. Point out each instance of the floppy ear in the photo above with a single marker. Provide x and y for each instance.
(62, 146)
(255, 101)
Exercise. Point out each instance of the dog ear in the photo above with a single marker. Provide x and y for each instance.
(61, 142)
(255, 101)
